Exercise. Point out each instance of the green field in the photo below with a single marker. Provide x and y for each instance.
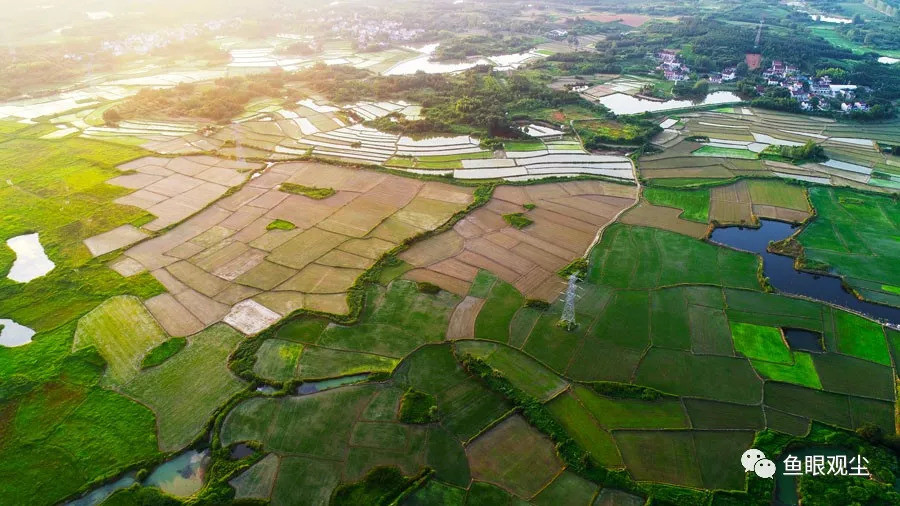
(395, 321)
(860, 337)
(524, 372)
(801, 372)
(665, 413)
(667, 259)
(71, 430)
(855, 235)
(313, 425)
(693, 203)
(760, 343)
(567, 488)
(277, 360)
(185, 390)
(123, 331)
(584, 428)
(501, 305)
(776, 193)
(714, 151)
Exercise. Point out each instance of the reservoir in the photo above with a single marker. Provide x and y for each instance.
(782, 275)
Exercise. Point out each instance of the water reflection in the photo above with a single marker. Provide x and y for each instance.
(181, 476)
(782, 275)
(31, 260)
(13, 334)
(317, 386)
(621, 103)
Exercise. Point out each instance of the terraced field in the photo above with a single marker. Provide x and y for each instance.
(707, 319)
(206, 276)
(566, 219)
(226, 263)
(732, 140)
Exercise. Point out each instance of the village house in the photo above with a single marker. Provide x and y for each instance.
(672, 69)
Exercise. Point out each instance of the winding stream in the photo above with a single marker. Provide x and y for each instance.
(782, 275)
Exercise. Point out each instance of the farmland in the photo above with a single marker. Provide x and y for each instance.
(720, 146)
(853, 237)
(228, 253)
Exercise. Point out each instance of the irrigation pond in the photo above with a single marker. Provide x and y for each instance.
(14, 334)
(31, 260)
(620, 103)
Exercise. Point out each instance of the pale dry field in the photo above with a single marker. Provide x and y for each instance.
(226, 256)
(566, 219)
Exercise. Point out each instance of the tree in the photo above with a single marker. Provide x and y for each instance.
(701, 88)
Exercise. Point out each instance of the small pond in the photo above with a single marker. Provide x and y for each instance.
(31, 260)
(98, 495)
(424, 64)
(13, 334)
(802, 339)
(830, 19)
(317, 386)
(181, 476)
(240, 451)
(782, 275)
(620, 103)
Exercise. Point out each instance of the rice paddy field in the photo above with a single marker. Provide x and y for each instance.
(566, 217)
(726, 144)
(343, 314)
(227, 263)
(855, 236)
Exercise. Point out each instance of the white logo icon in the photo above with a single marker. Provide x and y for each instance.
(756, 461)
(764, 468)
(750, 458)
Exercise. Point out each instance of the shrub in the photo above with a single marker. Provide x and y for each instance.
(309, 191)
(808, 152)
(111, 116)
(163, 352)
(518, 220)
(537, 303)
(418, 407)
(626, 391)
(491, 144)
(280, 225)
(426, 287)
(578, 267)
(529, 206)
(379, 486)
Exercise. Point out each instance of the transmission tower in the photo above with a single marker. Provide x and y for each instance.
(568, 314)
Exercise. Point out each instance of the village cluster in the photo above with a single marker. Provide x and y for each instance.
(813, 92)
(675, 70)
